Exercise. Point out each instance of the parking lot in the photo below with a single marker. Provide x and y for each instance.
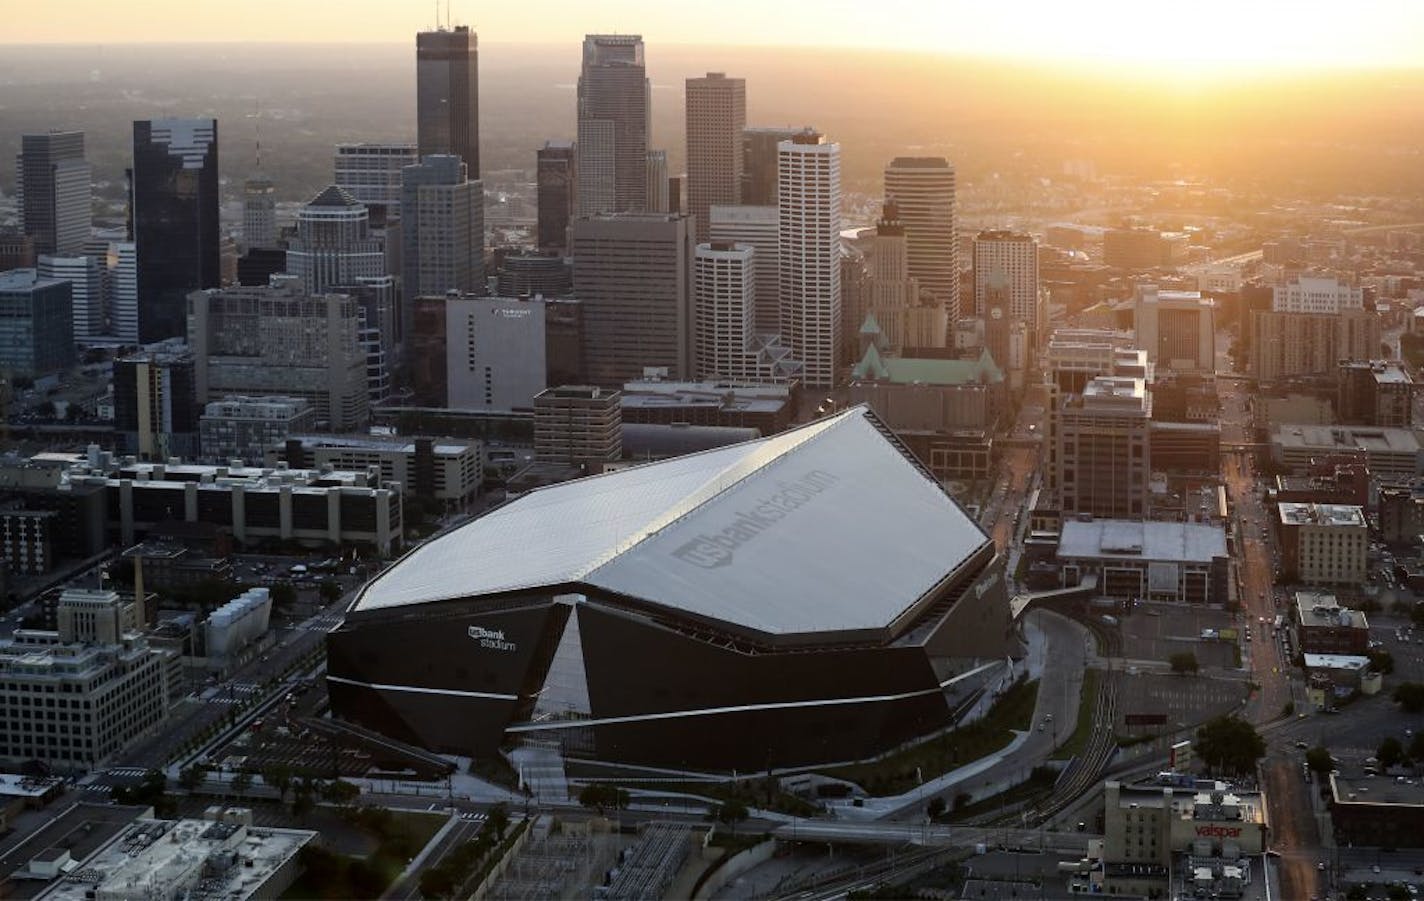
(1183, 700)
(1156, 632)
(1404, 642)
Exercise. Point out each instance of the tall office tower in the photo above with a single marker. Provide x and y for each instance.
(923, 191)
(658, 182)
(759, 163)
(809, 213)
(1014, 255)
(442, 232)
(174, 205)
(558, 182)
(376, 305)
(614, 107)
(371, 173)
(757, 227)
(121, 290)
(447, 75)
(1102, 458)
(85, 275)
(259, 213)
(716, 117)
(1176, 328)
(633, 275)
(52, 178)
(36, 325)
(724, 301)
(334, 245)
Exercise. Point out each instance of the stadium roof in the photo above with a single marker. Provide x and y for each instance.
(830, 527)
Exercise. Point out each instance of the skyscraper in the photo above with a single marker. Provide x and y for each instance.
(53, 181)
(259, 213)
(716, 117)
(759, 163)
(371, 173)
(658, 182)
(334, 245)
(614, 106)
(447, 74)
(633, 274)
(442, 232)
(757, 227)
(923, 191)
(121, 290)
(85, 275)
(724, 298)
(174, 204)
(36, 325)
(558, 177)
(809, 214)
(1008, 261)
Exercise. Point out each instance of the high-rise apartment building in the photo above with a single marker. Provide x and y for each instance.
(716, 118)
(724, 298)
(175, 198)
(279, 341)
(156, 402)
(1287, 344)
(923, 189)
(442, 231)
(1014, 256)
(36, 324)
(614, 108)
(809, 227)
(557, 176)
(371, 173)
(85, 275)
(756, 226)
(259, 213)
(334, 245)
(633, 274)
(52, 178)
(1101, 454)
(759, 162)
(447, 75)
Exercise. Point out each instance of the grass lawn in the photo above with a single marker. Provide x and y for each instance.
(1087, 701)
(903, 770)
(1039, 782)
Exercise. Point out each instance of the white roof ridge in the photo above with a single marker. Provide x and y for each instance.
(725, 478)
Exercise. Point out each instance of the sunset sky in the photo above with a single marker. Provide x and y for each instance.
(1219, 33)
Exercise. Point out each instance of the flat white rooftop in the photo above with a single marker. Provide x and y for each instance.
(828, 527)
(1179, 542)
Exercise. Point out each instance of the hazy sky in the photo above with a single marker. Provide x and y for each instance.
(1270, 33)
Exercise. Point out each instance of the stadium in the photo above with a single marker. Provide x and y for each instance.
(801, 599)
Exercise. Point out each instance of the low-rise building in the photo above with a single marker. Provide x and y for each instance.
(578, 424)
(929, 394)
(26, 540)
(238, 623)
(445, 470)
(1327, 628)
(1181, 562)
(1392, 453)
(73, 697)
(1401, 513)
(224, 858)
(1323, 544)
(1369, 811)
(1376, 392)
(767, 408)
(244, 428)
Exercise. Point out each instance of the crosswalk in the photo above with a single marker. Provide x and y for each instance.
(326, 622)
(99, 789)
(127, 771)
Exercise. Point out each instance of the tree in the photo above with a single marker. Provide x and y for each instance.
(279, 776)
(498, 820)
(45, 408)
(1319, 760)
(1382, 661)
(1183, 662)
(302, 801)
(192, 776)
(1410, 696)
(329, 589)
(1416, 747)
(339, 791)
(1230, 744)
(283, 594)
(732, 812)
(935, 809)
(241, 783)
(1390, 753)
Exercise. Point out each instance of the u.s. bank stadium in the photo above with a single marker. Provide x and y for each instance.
(810, 597)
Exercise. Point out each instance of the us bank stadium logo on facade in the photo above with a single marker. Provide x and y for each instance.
(492, 639)
(713, 549)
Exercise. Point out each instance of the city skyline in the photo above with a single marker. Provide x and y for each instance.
(1377, 34)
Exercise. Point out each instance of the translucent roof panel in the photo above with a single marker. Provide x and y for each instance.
(824, 528)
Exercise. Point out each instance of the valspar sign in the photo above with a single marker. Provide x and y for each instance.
(714, 548)
(492, 639)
